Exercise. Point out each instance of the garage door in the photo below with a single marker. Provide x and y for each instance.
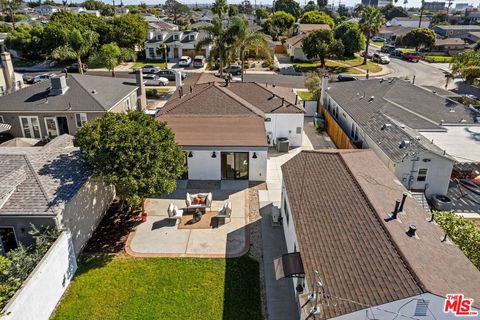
(192, 53)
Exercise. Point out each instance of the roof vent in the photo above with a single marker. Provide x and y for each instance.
(94, 91)
(412, 230)
(58, 85)
(386, 126)
(371, 99)
(404, 144)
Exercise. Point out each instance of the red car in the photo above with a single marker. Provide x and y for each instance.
(411, 56)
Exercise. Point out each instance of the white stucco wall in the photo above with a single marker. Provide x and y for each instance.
(85, 210)
(310, 108)
(45, 286)
(285, 125)
(203, 167)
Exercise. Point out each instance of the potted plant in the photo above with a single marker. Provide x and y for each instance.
(197, 215)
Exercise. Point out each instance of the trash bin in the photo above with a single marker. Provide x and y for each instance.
(319, 121)
(283, 144)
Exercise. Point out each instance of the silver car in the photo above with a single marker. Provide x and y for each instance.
(154, 80)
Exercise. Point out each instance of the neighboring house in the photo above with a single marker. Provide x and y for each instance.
(62, 104)
(92, 12)
(449, 45)
(455, 31)
(391, 32)
(49, 186)
(394, 118)
(294, 45)
(46, 10)
(10, 81)
(340, 231)
(409, 22)
(226, 130)
(376, 3)
(434, 6)
(179, 43)
(158, 28)
(473, 37)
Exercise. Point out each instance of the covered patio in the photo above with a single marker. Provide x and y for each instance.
(219, 237)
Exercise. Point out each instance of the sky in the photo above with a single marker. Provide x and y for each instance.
(415, 3)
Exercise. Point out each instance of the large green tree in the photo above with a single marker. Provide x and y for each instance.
(133, 152)
(352, 37)
(467, 64)
(175, 9)
(111, 55)
(391, 11)
(316, 45)
(317, 17)
(27, 40)
(220, 8)
(371, 20)
(311, 6)
(288, 6)
(246, 7)
(77, 46)
(129, 31)
(10, 7)
(421, 37)
(322, 4)
(280, 23)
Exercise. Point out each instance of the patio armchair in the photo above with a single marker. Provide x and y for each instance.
(199, 200)
(173, 212)
(226, 211)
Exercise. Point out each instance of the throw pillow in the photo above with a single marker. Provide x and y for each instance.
(197, 200)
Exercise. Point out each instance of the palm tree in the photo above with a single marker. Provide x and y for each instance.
(78, 45)
(111, 55)
(220, 7)
(371, 20)
(245, 39)
(220, 37)
(162, 47)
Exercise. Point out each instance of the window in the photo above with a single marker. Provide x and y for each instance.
(175, 37)
(285, 209)
(81, 119)
(422, 175)
(268, 119)
(299, 130)
(151, 52)
(8, 240)
(30, 127)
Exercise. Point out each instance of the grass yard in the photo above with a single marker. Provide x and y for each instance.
(357, 62)
(378, 43)
(142, 63)
(305, 95)
(118, 287)
(438, 59)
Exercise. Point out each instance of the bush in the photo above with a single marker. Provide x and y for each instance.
(465, 234)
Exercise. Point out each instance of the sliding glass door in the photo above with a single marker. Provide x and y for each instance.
(30, 127)
(234, 165)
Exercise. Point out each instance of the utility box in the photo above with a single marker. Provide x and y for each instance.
(283, 144)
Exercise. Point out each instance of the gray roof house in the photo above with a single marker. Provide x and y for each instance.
(63, 104)
(396, 119)
(179, 43)
(48, 186)
(455, 31)
(372, 262)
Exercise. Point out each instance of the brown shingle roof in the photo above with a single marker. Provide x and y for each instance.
(339, 210)
(218, 131)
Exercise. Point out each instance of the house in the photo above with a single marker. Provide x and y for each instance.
(96, 13)
(366, 259)
(63, 104)
(434, 5)
(394, 118)
(391, 32)
(49, 186)
(294, 45)
(179, 43)
(455, 31)
(46, 9)
(226, 130)
(449, 45)
(376, 3)
(10, 81)
(409, 22)
(473, 37)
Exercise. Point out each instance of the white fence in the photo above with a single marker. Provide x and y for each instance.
(310, 108)
(42, 290)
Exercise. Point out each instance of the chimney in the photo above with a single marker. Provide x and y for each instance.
(323, 96)
(8, 73)
(412, 231)
(178, 79)
(141, 95)
(58, 85)
(402, 204)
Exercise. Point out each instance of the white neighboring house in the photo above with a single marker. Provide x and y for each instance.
(46, 9)
(395, 119)
(179, 43)
(337, 216)
(226, 130)
(93, 12)
(294, 44)
(409, 22)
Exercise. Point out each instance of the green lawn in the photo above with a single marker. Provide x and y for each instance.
(331, 65)
(157, 63)
(357, 62)
(378, 43)
(108, 287)
(305, 95)
(437, 59)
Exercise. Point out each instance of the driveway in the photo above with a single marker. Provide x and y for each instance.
(285, 66)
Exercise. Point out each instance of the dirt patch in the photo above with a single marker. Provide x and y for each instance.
(112, 232)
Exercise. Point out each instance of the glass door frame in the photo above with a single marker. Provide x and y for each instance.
(223, 167)
(30, 126)
(56, 126)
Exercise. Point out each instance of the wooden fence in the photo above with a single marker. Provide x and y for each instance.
(336, 133)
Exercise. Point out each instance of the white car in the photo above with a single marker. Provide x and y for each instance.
(150, 69)
(380, 58)
(184, 61)
(154, 80)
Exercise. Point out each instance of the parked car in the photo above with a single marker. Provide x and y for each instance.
(154, 80)
(199, 61)
(344, 78)
(185, 61)
(396, 53)
(31, 79)
(73, 68)
(150, 69)
(369, 55)
(411, 56)
(169, 74)
(380, 58)
(234, 69)
(378, 38)
(388, 48)
(470, 96)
